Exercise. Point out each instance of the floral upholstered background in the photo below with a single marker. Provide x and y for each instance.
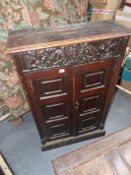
(19, 14)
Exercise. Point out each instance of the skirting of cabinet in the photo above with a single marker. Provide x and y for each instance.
(72, 139)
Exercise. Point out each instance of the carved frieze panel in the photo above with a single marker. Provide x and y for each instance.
(72, 54)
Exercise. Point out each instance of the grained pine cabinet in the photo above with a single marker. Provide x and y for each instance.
(69, 75)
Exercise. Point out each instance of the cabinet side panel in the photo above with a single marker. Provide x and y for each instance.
(30, 102)
(114, 79)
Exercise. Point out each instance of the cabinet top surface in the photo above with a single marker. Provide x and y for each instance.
(32, 39)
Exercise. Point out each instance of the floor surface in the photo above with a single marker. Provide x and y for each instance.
(21, 146)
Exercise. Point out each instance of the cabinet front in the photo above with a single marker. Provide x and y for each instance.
(52, 92)
(70, 101)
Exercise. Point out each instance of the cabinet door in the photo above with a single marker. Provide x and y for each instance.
(52, 94)
(91, 86)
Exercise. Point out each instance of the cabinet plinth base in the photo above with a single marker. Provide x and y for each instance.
(72, 139)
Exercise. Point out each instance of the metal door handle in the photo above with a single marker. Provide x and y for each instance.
(77, 104)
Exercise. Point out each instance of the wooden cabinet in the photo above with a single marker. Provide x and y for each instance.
(69, 75)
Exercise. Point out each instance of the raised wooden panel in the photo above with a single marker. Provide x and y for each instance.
(87, 124)
(90, 103)
(88, 121)
(94, 79)
(58, 130)
(55, 111)
(51, 86)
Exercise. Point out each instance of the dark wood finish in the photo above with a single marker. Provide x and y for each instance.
(69, 76)
(53, 93)
(91, 87)
(108, 156)
(55, 57)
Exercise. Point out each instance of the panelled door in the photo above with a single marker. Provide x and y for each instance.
(91, 86)
(53, 92)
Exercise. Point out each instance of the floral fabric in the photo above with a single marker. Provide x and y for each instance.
(21, 14)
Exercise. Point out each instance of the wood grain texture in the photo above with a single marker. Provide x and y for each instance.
(98, 166)
(34, 39)
(109, 156)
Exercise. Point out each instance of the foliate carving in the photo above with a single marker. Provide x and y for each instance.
(71, 54)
